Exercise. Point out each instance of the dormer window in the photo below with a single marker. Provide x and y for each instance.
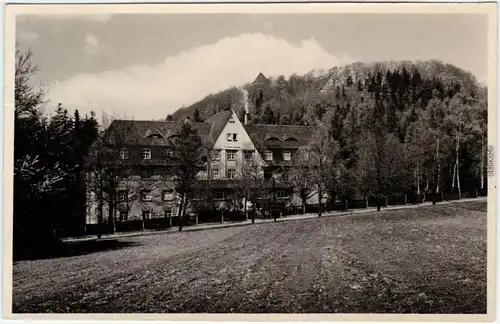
(154, 134)
(146, 154)
(124, 154)
(269, 155)
(287, 156)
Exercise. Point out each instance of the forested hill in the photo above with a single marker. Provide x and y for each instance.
(303, 100)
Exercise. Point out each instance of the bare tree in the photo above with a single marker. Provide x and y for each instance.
(188, 160)
(115, 160)
(250, 184)
(320, 155)
(299, 177)
(458, 120)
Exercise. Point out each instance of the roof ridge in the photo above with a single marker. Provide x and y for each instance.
(218, 114)
(278, 125)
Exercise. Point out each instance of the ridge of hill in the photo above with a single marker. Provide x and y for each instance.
(303, 100)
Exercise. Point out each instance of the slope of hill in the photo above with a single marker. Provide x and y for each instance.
(304, 99)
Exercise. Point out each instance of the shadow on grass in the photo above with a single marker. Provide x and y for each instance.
(69, 249)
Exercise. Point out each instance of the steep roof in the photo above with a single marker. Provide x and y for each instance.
(137, 132)
(279, 136)
(261, 79)
(218, 121)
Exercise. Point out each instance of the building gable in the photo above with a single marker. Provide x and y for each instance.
(233, 126)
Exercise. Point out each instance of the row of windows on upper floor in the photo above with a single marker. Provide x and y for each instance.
(230, 155)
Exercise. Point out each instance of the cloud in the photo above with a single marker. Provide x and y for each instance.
(91, 44)
(27, 35)
(153, 91)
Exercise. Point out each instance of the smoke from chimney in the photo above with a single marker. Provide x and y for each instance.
(245, 103)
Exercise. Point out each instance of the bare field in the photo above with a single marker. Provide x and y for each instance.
(425, 260)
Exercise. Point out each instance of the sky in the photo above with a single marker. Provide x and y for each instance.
(146, 66)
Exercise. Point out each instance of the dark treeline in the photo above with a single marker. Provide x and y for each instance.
(49, 192)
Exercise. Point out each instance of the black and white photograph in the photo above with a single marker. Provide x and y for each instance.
(250, 159)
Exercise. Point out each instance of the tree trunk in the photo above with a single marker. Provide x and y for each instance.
(100, 215)
(438, 167)
(418, 179)
(246, 212)
(482, 163)
(454, 177)
(458, 179)
(320, 198)
(181, 208)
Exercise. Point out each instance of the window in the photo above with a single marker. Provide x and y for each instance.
(146, 214)
(146, 154)
(169, 212)
(232, 137)
(122, 195)
(219, 195)
(231, 121)
(146, 174)
(231, 155)
(231, 173)
(281, 194)
(168, 195)
(287, 156)
(215, 155)
(269, 156)
(124, 154)
(215, 173)
(248, 155)
(123, 215)
(146, 195)
(168, 153)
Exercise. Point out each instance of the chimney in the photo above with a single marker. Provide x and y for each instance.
(245, 103)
